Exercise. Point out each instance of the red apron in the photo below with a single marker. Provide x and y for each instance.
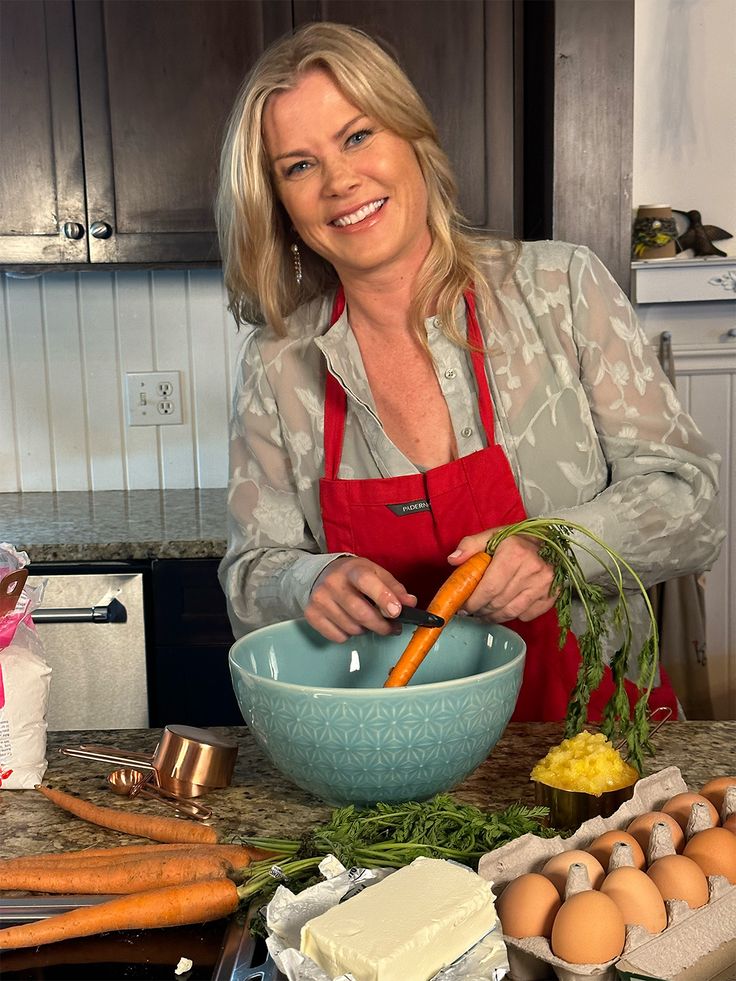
(409, 525)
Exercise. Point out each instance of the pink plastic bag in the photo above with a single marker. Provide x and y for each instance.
(24, 685)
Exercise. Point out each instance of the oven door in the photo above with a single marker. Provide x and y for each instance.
(91, 626)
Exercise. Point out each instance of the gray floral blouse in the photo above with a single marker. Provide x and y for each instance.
(592, 429)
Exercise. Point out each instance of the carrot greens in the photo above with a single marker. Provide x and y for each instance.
(389, 836)
(558, 538)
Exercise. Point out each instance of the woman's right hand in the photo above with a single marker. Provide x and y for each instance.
(353, 595)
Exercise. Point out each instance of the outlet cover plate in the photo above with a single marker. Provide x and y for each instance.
(154, 398)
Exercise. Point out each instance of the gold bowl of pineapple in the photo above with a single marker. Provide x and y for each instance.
(582, 777)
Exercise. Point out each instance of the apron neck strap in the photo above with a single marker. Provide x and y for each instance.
(335, 409)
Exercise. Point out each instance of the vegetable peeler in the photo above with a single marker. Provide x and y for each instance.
(419, 618)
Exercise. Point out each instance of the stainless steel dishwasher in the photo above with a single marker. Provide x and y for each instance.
(92, 628)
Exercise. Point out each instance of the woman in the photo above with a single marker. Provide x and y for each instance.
(409, 386)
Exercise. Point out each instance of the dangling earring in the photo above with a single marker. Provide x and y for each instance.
(297, 263)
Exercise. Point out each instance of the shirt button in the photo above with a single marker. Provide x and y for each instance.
(467, 432)
(438, 323)
(450, 373)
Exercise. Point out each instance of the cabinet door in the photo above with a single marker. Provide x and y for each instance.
(157, 81)
(41, 175)
(189, 677)
(459, 55)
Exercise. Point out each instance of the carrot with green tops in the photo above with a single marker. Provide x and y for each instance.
(135, 875)
(192, 902)
(448, 599)
(238, 855)
(142, 825)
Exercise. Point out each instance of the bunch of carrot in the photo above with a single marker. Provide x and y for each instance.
(188, 876)
(559, 543)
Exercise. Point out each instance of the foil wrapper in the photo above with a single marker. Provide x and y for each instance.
(287, 913)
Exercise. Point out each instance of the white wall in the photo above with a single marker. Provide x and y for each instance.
(685, 108)
(66, 342)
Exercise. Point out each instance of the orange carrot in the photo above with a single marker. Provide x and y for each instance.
(143, 825)
(238, 855)
(135, 875)
(446, 602)
(192, 902)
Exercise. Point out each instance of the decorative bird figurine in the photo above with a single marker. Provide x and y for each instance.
(700, 237)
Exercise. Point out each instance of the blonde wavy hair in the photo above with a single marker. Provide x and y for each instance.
(253, 226)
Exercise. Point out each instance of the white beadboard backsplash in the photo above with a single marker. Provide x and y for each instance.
(67, 340)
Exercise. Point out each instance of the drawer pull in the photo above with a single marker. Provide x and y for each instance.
(114, 612)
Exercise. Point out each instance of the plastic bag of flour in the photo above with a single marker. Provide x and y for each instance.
(24, 678)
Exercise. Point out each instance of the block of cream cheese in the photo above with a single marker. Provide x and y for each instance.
(405, 928)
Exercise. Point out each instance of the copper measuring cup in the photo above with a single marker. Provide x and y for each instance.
(187, 762)
(129, 782)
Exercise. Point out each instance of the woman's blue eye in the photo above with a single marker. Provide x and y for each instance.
(357, 138)
(298, 168)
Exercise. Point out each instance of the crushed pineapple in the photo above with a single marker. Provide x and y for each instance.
(587, 763)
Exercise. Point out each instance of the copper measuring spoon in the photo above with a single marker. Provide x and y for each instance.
(129, 782)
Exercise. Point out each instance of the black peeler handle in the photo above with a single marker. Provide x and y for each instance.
(419, 618)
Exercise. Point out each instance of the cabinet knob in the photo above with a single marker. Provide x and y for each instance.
(100, 229)
(72, 229)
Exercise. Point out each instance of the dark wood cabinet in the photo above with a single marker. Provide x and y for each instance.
(112, 113)
(111, 117)
(41, 167)
(189, 640)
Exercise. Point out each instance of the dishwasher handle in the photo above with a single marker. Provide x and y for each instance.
(113, 612)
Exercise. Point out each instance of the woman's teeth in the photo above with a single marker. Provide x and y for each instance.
(360, 214)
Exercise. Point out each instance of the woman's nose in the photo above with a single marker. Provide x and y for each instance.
(339, 176)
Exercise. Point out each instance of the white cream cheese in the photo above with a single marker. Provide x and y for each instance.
(405, 928)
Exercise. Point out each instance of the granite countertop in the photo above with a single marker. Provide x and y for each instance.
(261, 801)
(111, 526)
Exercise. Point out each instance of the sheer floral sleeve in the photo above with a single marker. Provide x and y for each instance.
(273, 557)
(659, 509)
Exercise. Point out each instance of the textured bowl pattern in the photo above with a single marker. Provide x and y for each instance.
(320, 713)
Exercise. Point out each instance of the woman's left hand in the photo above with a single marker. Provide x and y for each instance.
(517, 583)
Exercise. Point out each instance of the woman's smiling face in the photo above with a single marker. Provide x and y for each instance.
(353, 189)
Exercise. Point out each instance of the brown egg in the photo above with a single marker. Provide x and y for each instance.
(557, 867)
(641, 828)
(602, 847)
(637, 897)
(678, 877)
(589, 929)
(680, 805)
(528, 906)
(715, 790)
(730, 823)
(714, 850)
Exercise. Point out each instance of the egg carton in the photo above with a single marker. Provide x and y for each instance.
(690, 938)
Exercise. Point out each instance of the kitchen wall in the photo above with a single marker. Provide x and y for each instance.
(67, 339)
(66, 342)
(684, 118)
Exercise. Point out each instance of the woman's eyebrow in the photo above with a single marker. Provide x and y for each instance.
(338, 135)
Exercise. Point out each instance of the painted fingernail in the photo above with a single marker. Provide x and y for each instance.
(394, 609)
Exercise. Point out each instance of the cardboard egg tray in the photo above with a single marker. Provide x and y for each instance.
(697, 945)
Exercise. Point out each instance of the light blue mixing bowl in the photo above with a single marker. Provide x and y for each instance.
(319, 710)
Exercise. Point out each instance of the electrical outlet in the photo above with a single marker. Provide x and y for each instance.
(154, 398)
